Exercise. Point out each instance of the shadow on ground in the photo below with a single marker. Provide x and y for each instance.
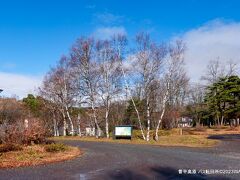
(225, 137)
(158, 173)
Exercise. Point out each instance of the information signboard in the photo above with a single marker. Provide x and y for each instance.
(124, 131)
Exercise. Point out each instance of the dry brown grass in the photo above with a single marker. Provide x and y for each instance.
(170, 140)
(192, 137)
(35, 155)
(212, 131)
(187, 141)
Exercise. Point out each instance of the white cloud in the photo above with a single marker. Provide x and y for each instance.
(108, 32)
(210, 41)
(18, 84)
(108, 18)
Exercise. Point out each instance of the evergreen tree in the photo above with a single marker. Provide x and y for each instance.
(223, 99)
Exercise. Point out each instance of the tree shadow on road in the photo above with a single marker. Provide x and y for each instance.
(126, 174)
(157, 173)
(225, 137)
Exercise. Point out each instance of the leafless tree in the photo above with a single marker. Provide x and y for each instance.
(83, 59)
(119, 43)
(10, 110)
(174, 81)
(110, 76)
(217, 69)
(147, 68)
(196, 94)
(58, 88)
(95, 70)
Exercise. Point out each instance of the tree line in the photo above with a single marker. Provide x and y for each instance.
(102, 75)
(103, 83)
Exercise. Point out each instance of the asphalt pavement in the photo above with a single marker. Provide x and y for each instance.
(126, 161)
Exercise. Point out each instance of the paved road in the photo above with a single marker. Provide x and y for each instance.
(124, 161)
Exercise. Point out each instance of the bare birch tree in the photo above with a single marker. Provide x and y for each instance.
(58, 88)
(174, 79)
(147, 68)
(109, 76)
(119, 44)
(83, 59)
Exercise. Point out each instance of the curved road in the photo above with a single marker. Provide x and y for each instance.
(124, 161)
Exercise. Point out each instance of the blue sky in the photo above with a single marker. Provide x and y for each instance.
(34, 34)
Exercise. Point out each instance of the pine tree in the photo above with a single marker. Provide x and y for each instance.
(223, 99)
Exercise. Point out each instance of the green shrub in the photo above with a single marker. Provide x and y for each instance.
(10, 147)
(55, 147)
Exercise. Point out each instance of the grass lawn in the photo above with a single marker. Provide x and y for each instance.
(171, 140)
(35, 155)
(192, 137)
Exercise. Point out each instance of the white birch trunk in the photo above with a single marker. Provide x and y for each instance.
(70, 120)
(95, 120)
(54, 125)
(148, 121)
(107, 123)
(106, 116)
(64, 123)
(162, 114)
(79, 125)
(222, 119)
(65, 97)
(57, 131)
(218, 121)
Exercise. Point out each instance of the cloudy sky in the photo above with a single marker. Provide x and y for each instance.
(34, 35)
